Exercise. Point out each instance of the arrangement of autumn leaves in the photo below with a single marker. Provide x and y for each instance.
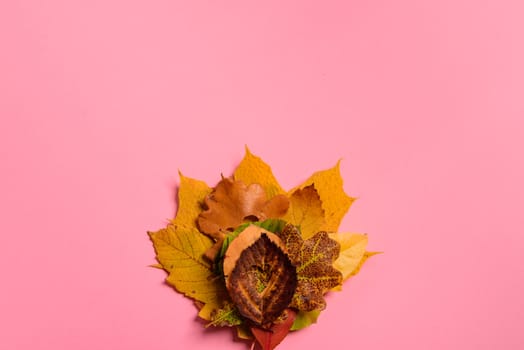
(256, 257)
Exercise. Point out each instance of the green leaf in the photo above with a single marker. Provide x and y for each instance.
(225, 316)
(305, 319)
(272, 225)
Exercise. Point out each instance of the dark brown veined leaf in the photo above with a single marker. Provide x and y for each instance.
(260, 278)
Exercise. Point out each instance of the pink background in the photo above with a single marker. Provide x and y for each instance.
(102, 101)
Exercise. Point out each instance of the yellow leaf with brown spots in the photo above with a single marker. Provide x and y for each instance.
(313, 259)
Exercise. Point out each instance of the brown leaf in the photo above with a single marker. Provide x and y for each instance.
(245, 239)
(313, 259)
(232, 202)
(268, 339)
(260, 278)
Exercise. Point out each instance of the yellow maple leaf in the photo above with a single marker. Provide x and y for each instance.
(335, 201)
(191, 194)
(252, 170)
(328, 183)
(305, 211)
